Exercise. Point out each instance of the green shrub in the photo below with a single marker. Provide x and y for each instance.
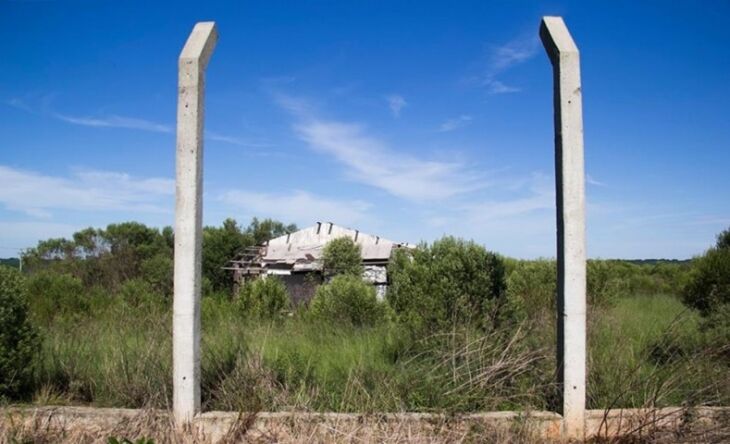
(158, 272)
(140, 293)
(452, 282)
(342, 256)
(606, 281)
(56, 294)
(723, 240)
(709, 287)
(347, 300)
(532, 286)
(18, 339)
(716, 328)
(264, 298)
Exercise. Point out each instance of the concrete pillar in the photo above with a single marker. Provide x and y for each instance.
(188, 221)
(570, 196)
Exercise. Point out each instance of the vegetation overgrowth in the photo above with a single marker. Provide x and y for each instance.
(461, 329)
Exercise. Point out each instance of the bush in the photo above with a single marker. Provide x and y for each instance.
(347, 300)
(342, 256)
(56, 294)
(452, 282)
(607, 280)
(264, 298)
(18, 339)
(532, 287)
(716, 328)
(158, 272)
(723, 240)
(139, 293)
(709, 287)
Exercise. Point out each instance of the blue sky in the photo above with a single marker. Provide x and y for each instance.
(405, 119)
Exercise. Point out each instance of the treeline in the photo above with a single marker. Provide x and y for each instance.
(108, 258)
(13, 262)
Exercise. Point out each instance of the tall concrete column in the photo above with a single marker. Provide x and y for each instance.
(570, 195)
(188, 221)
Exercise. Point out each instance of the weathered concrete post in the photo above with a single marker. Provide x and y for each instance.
(188, 221)
(570, 195)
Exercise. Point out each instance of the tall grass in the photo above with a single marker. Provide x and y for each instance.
(648, 351)
(643, 350)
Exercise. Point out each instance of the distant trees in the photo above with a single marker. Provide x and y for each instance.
(109, 257)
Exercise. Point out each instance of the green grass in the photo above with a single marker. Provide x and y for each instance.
(623, 343)
(118, 355)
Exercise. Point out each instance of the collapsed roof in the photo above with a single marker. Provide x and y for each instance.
(301, 251)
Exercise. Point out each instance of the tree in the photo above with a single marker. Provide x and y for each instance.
(342, 256)
(220, 245)
(268, 229)
(447, 284)
(18, 339)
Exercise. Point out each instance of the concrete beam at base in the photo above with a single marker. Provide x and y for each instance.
(188, 221)
(571, 228)
(88, 424)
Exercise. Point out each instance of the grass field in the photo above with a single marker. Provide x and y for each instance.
(120, 355)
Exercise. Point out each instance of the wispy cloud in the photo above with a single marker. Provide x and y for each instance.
(396, 103)
(590, 180)
(497, 87)
(455, 123)
(124, 122)
(38, 194)
(299, 206)
(370, 160)
(115, 122)
(19, 103)
(504, 57)
(512, 53)
(540, 196)
(210, 135)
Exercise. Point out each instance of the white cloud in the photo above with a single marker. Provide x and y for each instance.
(19, 103)
(115, 122)
(371, 161)
(455, 123)
(299, 206)
(217, 137)
(512, 53)
(396, 103)
(504, 57)
(540, 196)
(38, 195)
(520, 222)
(590, 180)
(497, 87)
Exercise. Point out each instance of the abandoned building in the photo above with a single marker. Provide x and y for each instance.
(296, 258)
